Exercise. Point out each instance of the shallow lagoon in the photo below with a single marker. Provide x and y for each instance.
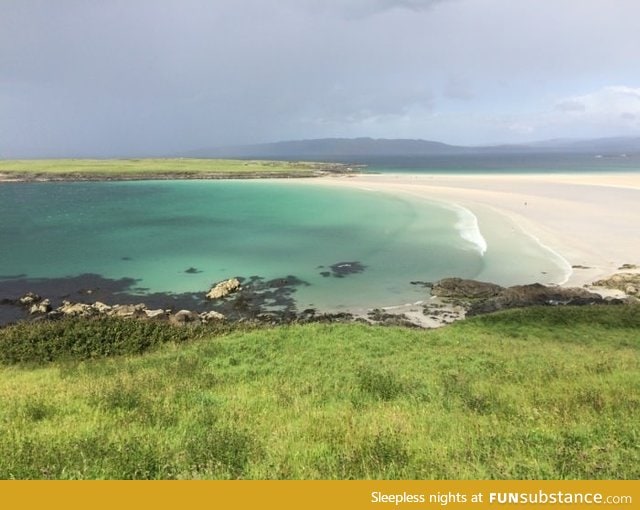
(181, 236)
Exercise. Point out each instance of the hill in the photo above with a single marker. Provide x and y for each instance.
(333, 148)
(543, 393)
(354, 148)
(605, 146)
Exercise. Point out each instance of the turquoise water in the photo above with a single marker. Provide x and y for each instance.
(155, 231)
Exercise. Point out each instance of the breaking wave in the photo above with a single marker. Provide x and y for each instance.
(469, 230)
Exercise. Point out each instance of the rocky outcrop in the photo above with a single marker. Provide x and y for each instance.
(246, 298)
(41, 308)
(536, 294)
(460, 288)
(223, 289)
(482, 297)
(76, 309)
(629, 283)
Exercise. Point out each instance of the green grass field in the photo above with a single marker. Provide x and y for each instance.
(544, 393)
(149, 167)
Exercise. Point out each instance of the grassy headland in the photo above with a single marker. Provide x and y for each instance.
(169, 168)
(545, 393)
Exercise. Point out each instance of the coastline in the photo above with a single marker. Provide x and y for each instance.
(570, 216)
(169, 176)
(587, 220)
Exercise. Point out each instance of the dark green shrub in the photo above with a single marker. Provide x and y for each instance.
(81, 339)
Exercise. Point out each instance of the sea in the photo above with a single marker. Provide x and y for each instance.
(335, 249)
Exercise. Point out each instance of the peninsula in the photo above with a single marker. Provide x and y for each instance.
(34, 170)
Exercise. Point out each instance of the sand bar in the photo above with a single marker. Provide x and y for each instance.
(591, 220)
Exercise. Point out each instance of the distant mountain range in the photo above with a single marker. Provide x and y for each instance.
(345, 148)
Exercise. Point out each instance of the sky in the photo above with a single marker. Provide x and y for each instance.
(159, 77)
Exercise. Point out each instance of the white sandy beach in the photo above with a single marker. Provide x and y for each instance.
(592, 220)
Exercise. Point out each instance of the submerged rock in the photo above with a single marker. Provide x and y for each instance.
(342, 269)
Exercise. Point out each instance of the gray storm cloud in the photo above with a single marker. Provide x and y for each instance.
(363, 8)
(114, 77)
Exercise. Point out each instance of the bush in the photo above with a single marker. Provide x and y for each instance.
(81, 339)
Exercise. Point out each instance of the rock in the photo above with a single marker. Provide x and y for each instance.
(223, 289)
(42, 307)
(626, 282)
(384, 318)
(55, 314)
(329, 318)
(101, 307)
(520, 296)
(29, 299)
(128, 310)
(75, 309)
(155, 314)
(465, 289)
(184, 317)
(342, 269)
(481, 297)
(211, 316)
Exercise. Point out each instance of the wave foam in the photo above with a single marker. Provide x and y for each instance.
(469, 230)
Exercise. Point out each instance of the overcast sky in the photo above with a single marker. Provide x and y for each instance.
(146, 77)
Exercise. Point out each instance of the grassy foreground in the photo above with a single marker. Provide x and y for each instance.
(148, 168)
(544, 393)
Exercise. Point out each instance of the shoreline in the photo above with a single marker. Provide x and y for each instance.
(570, 215)
(588, 220)
(6, 178)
